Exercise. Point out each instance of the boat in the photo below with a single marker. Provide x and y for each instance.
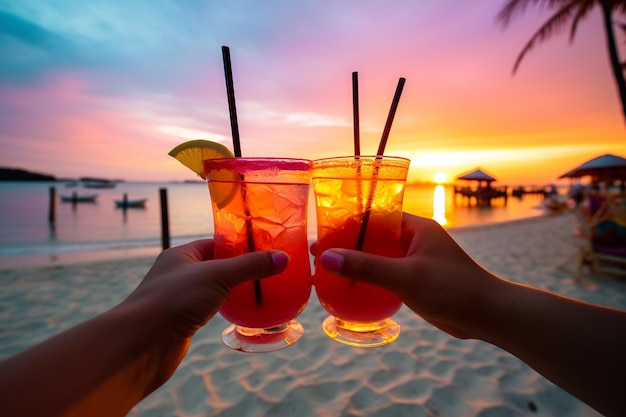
(99, 184)
(75, 198)
(136, 203)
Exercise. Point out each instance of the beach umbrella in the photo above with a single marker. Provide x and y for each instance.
(476, 175)
(606, 167)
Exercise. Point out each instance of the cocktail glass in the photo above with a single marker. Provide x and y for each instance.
(358, 201)
(261, 203)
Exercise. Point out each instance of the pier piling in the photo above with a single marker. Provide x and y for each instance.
(165, 227)
(52, 206)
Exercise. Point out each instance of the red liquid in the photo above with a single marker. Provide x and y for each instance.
(350, 300)
(277, 217)
(284, 295)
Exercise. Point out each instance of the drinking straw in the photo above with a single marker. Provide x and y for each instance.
(392, 113)
(234, 127)
(379, 154)
(355, 113)
(232, 108)
(357, 135)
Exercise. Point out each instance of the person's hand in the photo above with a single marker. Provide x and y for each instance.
(189, 286)
(436, 278)
(576, 345)
(186, 287)
(105, 365)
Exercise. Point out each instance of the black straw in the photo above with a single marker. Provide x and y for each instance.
(355, 113)
(379, 154)
(232, 107)
(390, 116)
(357, 135)
(234, 127)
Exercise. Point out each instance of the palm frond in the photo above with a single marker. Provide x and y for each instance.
(551, 27)
(584, 8)
(619, 6)
(512, 8)
(516, 7)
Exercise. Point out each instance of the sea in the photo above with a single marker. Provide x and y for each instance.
(99, 230)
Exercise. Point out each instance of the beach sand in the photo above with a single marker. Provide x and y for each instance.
(424, 373)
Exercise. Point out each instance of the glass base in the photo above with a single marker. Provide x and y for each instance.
(372, 334)
(247, 339)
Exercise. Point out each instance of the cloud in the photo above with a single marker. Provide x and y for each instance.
(190, 134)
(28, 49)
(151, 70)
(28, 32)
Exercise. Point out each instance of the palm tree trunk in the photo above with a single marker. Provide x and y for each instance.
(618, 73)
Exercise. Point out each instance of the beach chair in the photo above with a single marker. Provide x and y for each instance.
(603, 236)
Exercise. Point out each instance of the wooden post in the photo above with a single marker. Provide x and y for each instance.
(165, 227)
(124, 207)
(52, 206)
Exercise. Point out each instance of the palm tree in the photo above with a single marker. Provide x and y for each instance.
(572, 11)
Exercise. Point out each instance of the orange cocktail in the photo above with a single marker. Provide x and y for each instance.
(261, 203)
(359, 206)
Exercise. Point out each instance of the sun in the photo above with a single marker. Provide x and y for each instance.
(441, 177)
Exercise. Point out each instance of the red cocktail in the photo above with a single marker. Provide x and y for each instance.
(261, 203)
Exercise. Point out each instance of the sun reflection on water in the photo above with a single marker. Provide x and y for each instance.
(439, 205)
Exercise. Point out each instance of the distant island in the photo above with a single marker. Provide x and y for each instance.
(16, 174)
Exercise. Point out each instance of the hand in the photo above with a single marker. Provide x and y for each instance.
(104, 366)
(436, 278)
(576, 345)
(187, 285)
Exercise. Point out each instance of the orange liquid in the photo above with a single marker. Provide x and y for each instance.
(275, 215)
(339, 204)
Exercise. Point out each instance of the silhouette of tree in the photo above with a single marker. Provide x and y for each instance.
(571, 12)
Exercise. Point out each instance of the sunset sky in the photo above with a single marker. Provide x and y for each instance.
(107, 87)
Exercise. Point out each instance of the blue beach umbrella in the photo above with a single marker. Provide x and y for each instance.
(606, 167)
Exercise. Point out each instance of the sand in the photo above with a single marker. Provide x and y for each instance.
(424, 373)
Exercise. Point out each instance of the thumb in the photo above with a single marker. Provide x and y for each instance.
(250, 266)
(372, 269)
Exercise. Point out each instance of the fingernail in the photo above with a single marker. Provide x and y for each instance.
(280, 260)
(332, 261)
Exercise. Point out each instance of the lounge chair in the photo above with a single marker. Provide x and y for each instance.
(603, 236)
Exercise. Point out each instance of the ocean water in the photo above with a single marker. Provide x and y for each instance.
(90, 231)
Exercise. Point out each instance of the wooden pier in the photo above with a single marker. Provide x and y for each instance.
(481, 196)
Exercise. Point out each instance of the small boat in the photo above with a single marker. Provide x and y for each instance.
(99, 184)
(75, 198)
(136, 203)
